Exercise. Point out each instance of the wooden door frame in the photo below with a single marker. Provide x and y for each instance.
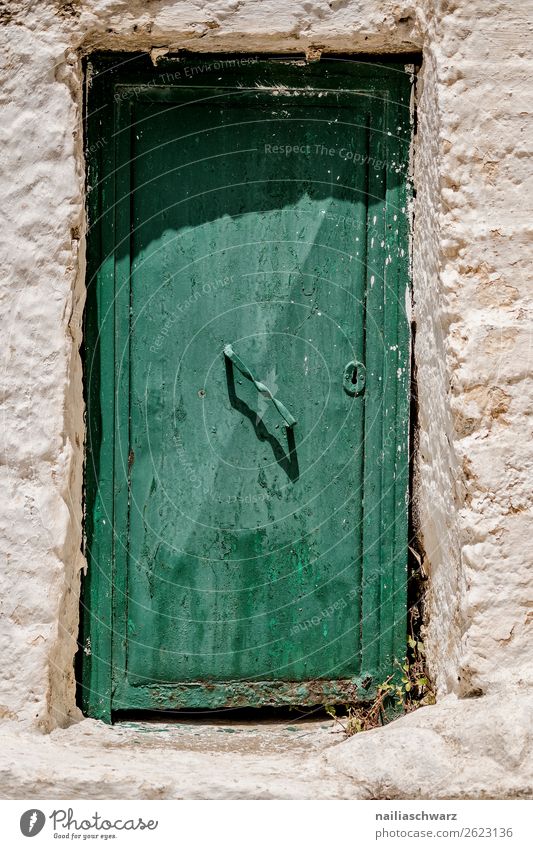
(386, 456)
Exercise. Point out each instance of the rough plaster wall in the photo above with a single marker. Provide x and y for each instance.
(435, 466)
(41, 422)
(479, 290)
(470, 262)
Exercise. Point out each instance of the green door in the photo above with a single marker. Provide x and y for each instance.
(247, 382)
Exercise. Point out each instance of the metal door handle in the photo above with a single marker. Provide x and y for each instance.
(281, 408)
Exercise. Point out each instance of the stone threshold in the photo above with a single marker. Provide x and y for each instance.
(471, 748)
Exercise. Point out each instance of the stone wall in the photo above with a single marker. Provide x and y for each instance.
(473, 309)
(472, 299)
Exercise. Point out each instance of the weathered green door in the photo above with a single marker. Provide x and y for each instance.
(248, 220)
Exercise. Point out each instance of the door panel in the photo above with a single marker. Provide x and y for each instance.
(248, 562)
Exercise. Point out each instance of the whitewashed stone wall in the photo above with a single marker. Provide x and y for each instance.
(472, 254)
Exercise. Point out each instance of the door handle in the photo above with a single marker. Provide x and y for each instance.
(244, 370)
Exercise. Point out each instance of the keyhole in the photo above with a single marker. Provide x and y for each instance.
(353, 379)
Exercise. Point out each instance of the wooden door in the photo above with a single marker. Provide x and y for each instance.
(248, 270)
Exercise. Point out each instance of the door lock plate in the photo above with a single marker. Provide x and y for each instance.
(354, 379)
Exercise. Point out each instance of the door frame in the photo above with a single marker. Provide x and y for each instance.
(110, 87)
